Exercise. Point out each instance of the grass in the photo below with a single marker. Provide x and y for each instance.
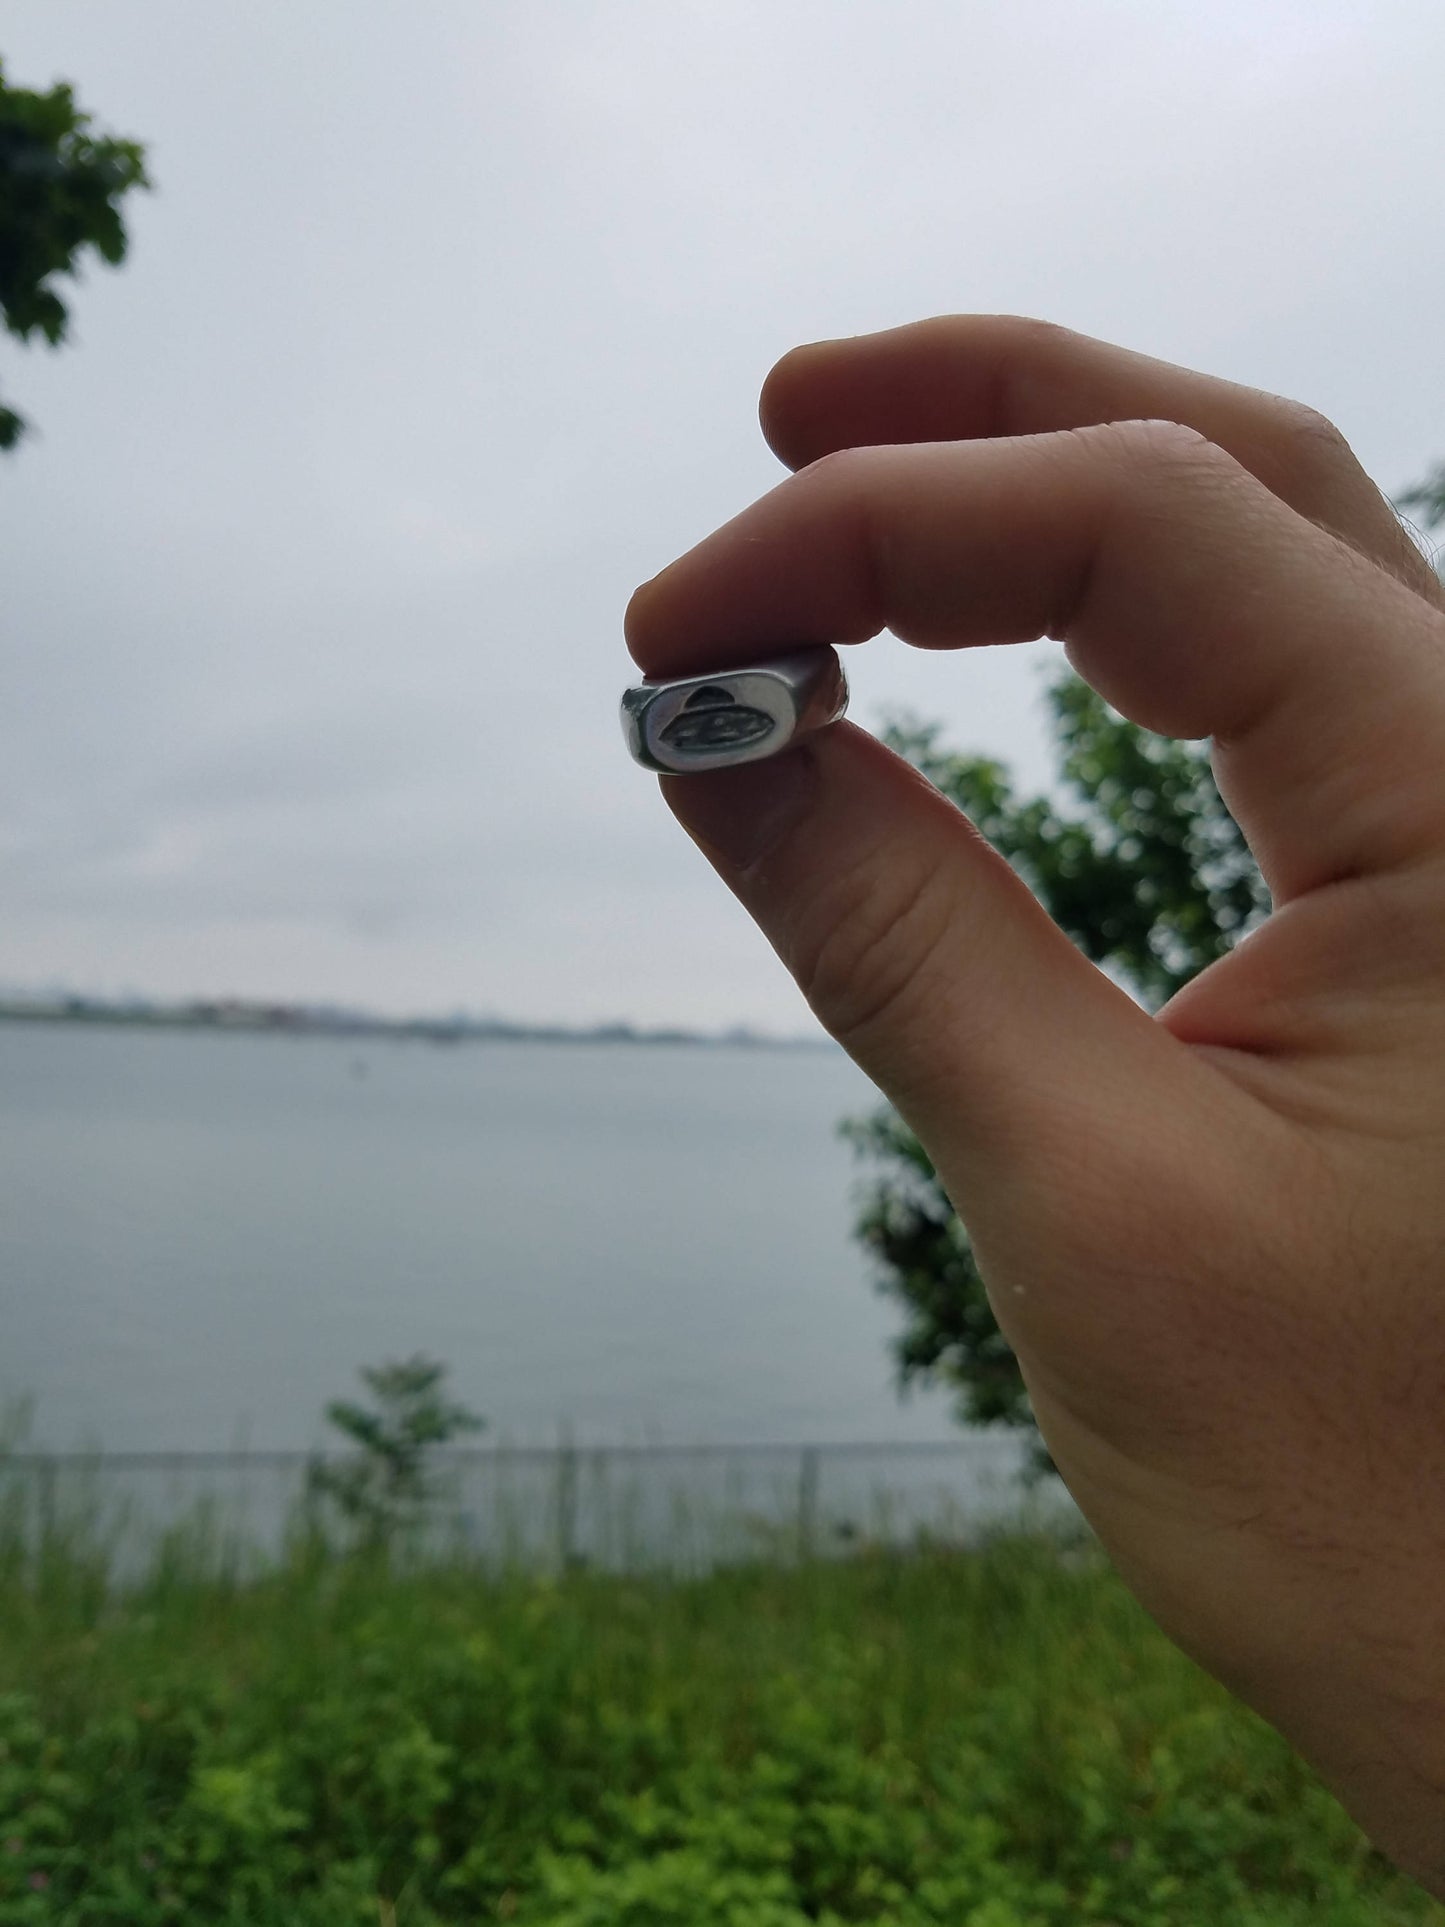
(986, 1739)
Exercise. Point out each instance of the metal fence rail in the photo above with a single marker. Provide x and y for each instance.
(619, 1507)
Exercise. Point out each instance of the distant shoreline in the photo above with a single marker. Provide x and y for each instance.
(239, 1016)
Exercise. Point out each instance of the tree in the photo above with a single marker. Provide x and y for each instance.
(60, 192)
(1427, 498)
(1138, 860)
(387, 1487)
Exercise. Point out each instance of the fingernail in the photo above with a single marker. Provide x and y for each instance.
(740, 815)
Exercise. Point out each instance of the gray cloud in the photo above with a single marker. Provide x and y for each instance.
(445, 327)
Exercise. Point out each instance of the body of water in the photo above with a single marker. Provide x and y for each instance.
(202, 1237)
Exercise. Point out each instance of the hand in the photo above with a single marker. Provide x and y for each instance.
(1216, 1238)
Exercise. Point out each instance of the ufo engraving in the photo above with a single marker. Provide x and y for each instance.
(711, 719)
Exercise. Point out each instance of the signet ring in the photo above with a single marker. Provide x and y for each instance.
(733, 715)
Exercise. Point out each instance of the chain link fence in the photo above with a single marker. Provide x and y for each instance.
(684, 1508)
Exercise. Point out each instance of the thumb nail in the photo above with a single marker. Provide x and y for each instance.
(740, 815)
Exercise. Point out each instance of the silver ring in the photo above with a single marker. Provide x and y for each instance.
(735, 715)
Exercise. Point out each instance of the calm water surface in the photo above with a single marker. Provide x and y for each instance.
(202, 1237)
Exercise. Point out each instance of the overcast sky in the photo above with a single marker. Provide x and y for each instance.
(444, 328)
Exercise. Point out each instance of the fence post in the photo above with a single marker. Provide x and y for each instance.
(807, 1501)
(566, 1504)
(45, 1517)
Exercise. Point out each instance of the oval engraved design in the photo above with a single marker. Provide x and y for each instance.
(712, 719)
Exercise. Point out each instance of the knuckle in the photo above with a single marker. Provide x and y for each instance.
(1157, 456)
(1011, 334)
(845, 470)
(1317, 468)
(1312, 438)
(871, 942)
(1154, 444)
(1035, 337)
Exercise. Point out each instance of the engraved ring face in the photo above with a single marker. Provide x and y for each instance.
(712, 718)
(734, 715)
(712, 722)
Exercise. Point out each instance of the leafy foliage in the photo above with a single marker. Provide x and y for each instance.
(905, 1220)
(387, 1487)
(1427, 498)
(1139, 861)
(61, 186)
(993, 1739)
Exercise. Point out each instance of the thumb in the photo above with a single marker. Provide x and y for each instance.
(926, 956)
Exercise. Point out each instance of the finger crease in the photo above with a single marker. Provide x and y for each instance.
(876, 975)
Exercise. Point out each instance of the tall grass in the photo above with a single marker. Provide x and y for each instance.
(992, 1738)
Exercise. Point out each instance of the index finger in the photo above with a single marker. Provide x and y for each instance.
(978, 377)
(1189, 595)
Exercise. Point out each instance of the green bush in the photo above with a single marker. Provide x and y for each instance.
(996, 1739)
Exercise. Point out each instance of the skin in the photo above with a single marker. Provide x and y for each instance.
(1215, 1237)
